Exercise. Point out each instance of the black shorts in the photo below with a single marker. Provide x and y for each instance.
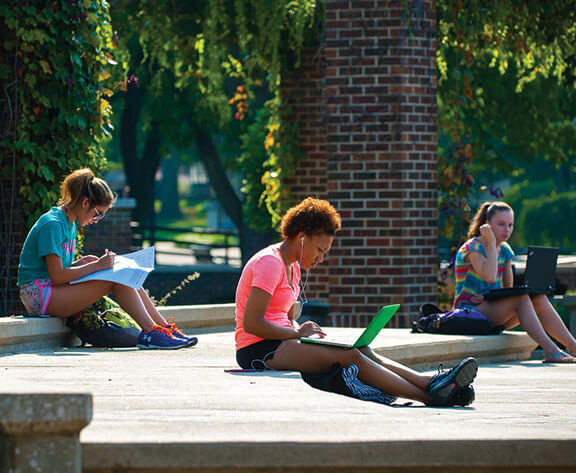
(254, 357)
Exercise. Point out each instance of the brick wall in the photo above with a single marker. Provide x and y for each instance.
(113, 232)
(303, 91)
(378, 113)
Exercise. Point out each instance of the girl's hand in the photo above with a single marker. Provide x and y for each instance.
(310, 328)
(86, 259)
(106, 261)
(476, 299)
(487, 234)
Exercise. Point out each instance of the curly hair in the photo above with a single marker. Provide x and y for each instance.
(312, 217)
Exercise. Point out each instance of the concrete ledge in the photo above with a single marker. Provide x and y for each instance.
(40, 432)
(19, 334)
(58, 413)
(424, 351)
(393, 456)
(199, 316)
(421, 351)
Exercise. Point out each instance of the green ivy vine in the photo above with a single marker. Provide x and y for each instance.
(266, 38)
(57, 63)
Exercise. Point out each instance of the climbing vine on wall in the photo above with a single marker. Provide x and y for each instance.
(56, 60)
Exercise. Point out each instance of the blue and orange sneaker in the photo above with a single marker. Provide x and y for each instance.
(159, 338)
(442, 386)
(171, 325)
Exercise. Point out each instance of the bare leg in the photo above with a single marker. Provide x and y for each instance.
(552, 322)
(68, 299)
(319, 359)
(418, 379)
(151, 308)
(501, 312)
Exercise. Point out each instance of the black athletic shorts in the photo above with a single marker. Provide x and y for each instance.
(254, 356)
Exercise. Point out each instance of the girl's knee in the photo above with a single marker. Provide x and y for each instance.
(353, 357)
(524, 300)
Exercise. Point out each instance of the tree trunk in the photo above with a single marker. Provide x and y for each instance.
(168, 191)
(250, 241)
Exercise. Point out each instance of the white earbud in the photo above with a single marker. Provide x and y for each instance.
(302, 241)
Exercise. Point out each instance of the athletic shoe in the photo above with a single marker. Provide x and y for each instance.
(463, 397)
(176, 332)
(159, 338)
(442, 385)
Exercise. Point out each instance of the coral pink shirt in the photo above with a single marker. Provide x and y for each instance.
(266, 271)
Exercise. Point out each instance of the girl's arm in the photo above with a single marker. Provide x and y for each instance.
(295, 324)
(508, 276)
(256, 324)
(486, 267)
(84, 260)
(59, 275)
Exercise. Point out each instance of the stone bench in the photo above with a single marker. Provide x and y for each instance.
(39, 432)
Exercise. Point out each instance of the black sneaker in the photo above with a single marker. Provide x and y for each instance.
(463, 397)
(443, 385)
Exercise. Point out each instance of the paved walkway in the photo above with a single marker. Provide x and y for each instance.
(184, 397)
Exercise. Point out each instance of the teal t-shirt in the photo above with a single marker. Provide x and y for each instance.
(52, 233)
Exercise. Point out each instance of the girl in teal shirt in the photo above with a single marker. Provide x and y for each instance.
(47, 267)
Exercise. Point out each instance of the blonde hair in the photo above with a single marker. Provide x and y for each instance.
(485, 212)
(82, 183)
(312, 217)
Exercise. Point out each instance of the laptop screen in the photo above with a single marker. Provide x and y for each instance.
(541, 267)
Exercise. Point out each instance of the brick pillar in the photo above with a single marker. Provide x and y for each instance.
(378, 113)
(113, 232)
(304, 93)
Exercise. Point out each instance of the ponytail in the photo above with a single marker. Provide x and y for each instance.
(485, 213)
(82, 183)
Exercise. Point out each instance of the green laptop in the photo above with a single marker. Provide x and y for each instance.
(379, 321)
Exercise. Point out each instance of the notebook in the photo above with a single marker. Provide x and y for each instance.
(539, 277)
(379, 321)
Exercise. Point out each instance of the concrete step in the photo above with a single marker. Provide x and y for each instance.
(455, 456)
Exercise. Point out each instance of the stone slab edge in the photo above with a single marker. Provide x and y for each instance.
(508, 346)
(199, 316)
(104, 458)
(20, 334)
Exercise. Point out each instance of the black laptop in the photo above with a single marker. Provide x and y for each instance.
(539, 277)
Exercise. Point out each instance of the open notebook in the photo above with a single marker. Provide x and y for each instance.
(379, 321)
(539, 277)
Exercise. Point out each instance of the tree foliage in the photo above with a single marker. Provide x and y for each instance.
(506, 75)
(55, 63)
(230, 59)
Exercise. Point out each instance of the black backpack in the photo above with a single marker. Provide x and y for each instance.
(104, 324)
(464, 321)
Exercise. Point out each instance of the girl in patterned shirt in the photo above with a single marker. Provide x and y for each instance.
(484, 262)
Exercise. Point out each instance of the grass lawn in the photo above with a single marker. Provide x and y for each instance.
(193, 217)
